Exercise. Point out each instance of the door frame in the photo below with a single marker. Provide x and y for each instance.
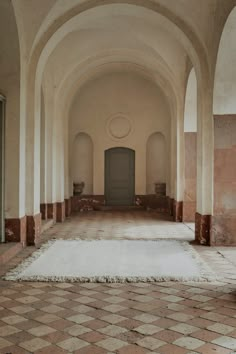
(2, 167)
(105, 172)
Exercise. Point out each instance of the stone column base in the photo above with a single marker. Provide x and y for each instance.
(52, 211)
(33, 229)
(203, 229)
(60, 212)
(171, 206)
(67, 207)
(178, 211)
(15, 230)
(44, 211)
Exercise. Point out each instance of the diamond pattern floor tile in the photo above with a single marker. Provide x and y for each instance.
(140, 318)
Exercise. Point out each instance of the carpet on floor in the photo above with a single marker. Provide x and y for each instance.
(113, 261)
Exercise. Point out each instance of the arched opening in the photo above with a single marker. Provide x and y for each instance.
(190, 145)
(69, 24)
(82, 163)
(157, 162)
(126, 12)
(224, 220)
(121, 120)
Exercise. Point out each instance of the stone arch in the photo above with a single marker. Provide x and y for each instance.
(77, 78)
(82, 162)
(156, 160)
(197, 51)
(179, 179)
(194, 49)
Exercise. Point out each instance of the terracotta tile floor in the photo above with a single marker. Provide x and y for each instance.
(121, 318)
(120, 224)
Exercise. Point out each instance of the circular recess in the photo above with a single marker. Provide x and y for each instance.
(119, 126)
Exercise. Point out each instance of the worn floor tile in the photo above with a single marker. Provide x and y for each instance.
(138, 318)
(34, 344)
(72, 344)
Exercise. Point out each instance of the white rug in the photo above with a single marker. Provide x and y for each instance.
(113, 261)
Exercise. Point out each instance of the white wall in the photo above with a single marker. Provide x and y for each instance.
(82, 162)
(119, 109)
(157, 161)
(190, 111)
(225, 75)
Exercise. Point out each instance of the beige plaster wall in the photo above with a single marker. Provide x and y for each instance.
(190, 109)
(82, 162)
(224, 220)
(225, 75)
(157, 161)
(120, 109)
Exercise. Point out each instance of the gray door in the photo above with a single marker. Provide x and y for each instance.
(2, 145)
(119, 176)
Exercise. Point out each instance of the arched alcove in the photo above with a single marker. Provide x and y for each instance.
(82, 162)
(190, 147)
(224, 103)
(156, 160)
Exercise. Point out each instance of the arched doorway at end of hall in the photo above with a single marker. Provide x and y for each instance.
(120, 176)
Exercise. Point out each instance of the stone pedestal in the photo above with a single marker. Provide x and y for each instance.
(203, 229)
(44, 211)
(171, 206)
(15, 230)
(178, 211)
(33, 229)
(51, 211)
(67, 207)
(60, 212)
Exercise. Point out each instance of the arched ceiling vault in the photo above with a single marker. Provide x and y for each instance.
(90, 16)
(175, 23)
(114, 33)
(89, 71)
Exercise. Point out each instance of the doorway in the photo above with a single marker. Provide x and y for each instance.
(120, 176)
(2, 162)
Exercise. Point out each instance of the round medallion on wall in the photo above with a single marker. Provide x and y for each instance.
(119, 126)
